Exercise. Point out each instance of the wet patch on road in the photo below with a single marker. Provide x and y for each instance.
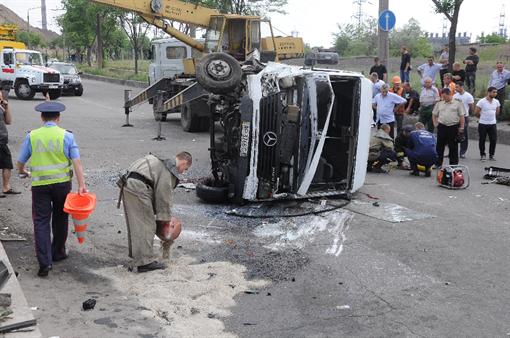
(388, 212)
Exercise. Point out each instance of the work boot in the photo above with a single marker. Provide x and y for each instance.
(492, 158)
(43, 271)
(151, 267)
(428, 172)
(414, 173)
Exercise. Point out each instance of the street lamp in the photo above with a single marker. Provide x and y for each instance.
(28, 23)
(28, 17)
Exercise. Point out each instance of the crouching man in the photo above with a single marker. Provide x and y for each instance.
(381, 150)
(146, 191)
(421, 150)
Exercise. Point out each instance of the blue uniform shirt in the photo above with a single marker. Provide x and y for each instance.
(70, 147)
(422, 143)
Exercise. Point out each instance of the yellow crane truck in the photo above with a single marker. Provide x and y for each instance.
(235, 36)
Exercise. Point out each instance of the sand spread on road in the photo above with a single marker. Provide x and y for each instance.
(189, 299)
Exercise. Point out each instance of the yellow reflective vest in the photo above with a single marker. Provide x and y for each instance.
(48, 163)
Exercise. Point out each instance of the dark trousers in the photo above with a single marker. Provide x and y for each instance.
(426, 117)
(471, 81)
(447, 135)
(483, 131)
(464, 143)
(441, 74)
(48, 204)
(501, 98)
(399, 120)
(392, 128)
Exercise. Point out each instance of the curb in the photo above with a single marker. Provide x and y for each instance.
(503, 134)
(130, 83)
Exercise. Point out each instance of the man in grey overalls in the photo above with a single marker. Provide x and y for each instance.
(146, 192)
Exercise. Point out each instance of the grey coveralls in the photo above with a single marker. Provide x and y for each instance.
(146, 202)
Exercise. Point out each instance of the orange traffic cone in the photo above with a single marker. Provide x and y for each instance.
(80, 207)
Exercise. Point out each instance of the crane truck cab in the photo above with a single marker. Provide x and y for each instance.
(171, 58)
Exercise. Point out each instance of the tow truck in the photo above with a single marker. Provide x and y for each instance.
(24, 69)
(276, 131)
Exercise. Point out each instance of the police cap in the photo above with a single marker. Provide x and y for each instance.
(50, 107)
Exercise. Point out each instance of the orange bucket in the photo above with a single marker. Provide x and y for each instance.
(80, 207)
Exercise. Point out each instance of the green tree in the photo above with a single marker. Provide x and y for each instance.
(31, 39)
(353, 40)
(450, 9)
(413, 37)
(492, 38)
(86, 24)
(136, 30)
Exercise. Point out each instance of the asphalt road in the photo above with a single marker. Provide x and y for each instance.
(442, 271)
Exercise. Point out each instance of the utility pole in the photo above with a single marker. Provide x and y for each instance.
(43, 15)
(383, 47)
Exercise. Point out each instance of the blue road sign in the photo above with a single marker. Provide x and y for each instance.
(387, 20)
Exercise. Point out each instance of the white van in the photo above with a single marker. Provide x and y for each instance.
(294, 133)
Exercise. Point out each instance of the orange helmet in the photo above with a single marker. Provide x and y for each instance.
(396, 79)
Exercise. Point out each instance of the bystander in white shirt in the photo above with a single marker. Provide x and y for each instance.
(488, 110)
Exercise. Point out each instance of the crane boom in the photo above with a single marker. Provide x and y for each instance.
(175, 10)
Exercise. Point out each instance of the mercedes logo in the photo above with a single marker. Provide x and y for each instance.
(156, 5)
(270, 139)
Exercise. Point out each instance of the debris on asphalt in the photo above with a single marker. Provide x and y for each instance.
(6, 235)
(232, 286)
(249, 324)
(447, 283)
(343, 307)
(251, 292)
(211, 315)
(189, 186)
(293, 279)
(269, 294)
(194, 310)
(375, 204)
(89, 304)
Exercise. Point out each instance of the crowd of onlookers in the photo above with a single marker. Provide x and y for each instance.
(443, 108)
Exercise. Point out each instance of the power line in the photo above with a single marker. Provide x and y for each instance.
(359, 14)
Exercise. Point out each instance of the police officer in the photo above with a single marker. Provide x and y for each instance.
(51, 151)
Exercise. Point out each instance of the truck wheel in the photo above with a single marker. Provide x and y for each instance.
(212, 192)
(78, 91)
(204, 123)
(55, 93)
(190, 122)
(23, 91)
(218, 73)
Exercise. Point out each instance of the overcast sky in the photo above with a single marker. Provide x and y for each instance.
(316, 20)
